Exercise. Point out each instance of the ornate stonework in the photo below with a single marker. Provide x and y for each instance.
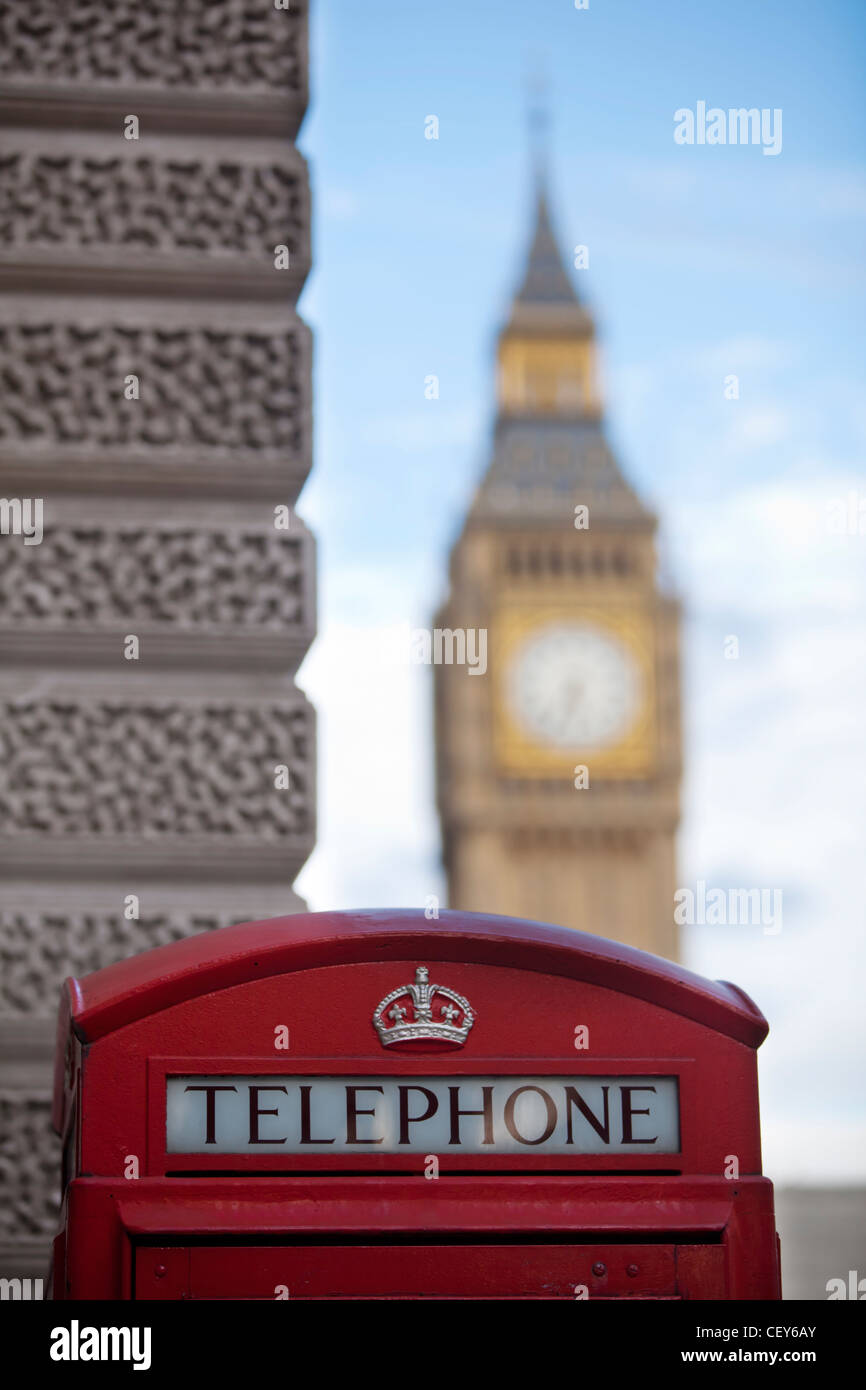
(202, 44)
(157, 761)
(42, 947)
(154, 769)
(141, 577)
(154, 395)
(199, 388)
(29, 1171)
(173, 204)
(94, 211)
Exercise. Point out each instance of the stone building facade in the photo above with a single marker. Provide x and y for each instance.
(157, 761)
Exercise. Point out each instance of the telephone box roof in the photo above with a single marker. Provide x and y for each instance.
(143, 985)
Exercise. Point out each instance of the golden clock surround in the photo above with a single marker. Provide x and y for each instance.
(515, 752)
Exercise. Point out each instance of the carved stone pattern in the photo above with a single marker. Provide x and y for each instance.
(154, 770)
(39, 950)
(62, 384)
(173, 206)
(86, 576)
(29, 1166)
(210, 43)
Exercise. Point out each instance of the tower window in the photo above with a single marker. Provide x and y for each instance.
(512, 561)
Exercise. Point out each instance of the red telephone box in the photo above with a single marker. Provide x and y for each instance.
(374, 1105)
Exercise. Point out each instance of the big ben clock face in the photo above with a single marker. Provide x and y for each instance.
(573, 687)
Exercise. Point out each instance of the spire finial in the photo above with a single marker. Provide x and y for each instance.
(545, 280)
(538, 116)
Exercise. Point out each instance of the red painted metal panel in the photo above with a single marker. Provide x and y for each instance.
(701, 1271)
(163, 1272)
(409, 1271)
(107, 1221)
(155, 980)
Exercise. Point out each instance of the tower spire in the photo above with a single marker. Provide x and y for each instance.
(545, 280)
(549, 445)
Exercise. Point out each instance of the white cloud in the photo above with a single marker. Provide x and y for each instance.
(768, 548)
(790, 1155)
(377, 845)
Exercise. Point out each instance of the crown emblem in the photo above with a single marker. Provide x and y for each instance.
(423, 1012)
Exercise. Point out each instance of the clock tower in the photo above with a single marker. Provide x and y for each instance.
(558, 765)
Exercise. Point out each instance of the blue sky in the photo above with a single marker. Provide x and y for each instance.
(704, 261)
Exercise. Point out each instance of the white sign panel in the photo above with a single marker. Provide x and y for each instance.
(422, 1114)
